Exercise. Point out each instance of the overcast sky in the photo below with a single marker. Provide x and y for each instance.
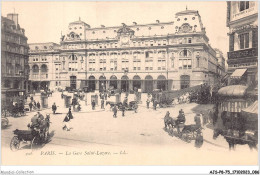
(44, 21)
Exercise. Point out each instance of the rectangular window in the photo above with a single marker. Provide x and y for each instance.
(242, 41)
(164, 42)
(189, 40)
(151, 68)
(146, 68)
(146, 54)
(246, 40)
(243, 5)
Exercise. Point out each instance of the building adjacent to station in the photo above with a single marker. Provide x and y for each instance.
(14, 59)
(242, 20)
(161, 55)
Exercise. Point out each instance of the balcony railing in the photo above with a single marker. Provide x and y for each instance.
(243, 53)
(38, 76)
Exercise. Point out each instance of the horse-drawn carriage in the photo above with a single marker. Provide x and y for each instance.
(36, 135)
(237, 118)
(114, 100)
(185, 132)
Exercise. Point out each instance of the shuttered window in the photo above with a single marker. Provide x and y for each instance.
(231, 42)
(255, 38)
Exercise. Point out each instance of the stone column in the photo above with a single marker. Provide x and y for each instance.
(130, 85)
(107, 84)
(119, 84)
(97, 84)
(154, 84)
(142, 85)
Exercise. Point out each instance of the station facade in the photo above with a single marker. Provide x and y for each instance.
(162, 55)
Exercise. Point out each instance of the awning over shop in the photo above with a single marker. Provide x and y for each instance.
(233, 90)
(251, 116)
(238, 73)
(252, 109)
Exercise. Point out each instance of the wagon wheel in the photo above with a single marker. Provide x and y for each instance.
(185, 136)
(5, 122)
(15, 143)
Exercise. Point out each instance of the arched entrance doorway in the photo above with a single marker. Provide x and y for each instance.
(113, 82)
(102, 83)
(73, 82)
(124, 83)
(136, 82)
(91, 83)
(161, 82)
(148, 84)
(35, 85)
(185, 81)
(44, 85)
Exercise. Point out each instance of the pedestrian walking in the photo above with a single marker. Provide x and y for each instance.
(123, 110)
(197, 120)
(66, 122)
(30, 106)
(34, 103)
(54, 108)
(148, 102)
(115, 111)
(102, 103)
(154, 104)
(135, 107)
(31, 98)
(93, 103)
(204, 118)
(105, 95)
(70, 114)
(38, 105)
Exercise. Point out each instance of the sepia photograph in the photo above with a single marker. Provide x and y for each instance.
(129, 83)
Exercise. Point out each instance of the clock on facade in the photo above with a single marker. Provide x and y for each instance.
(125, 40)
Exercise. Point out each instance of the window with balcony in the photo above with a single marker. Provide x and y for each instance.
(244, 40)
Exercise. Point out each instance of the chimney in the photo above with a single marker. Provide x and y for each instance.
(134, 23)
(103, 26)
(157, 21)
(13, 17)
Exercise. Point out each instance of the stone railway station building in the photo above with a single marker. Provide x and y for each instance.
(161, 55)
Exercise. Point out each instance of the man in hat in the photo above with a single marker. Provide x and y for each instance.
(54, 108)
(115, 111)
(102, 103)
(148, 102)
(181, 117)
(36, 120)
(93, 103)
(197, 120)
(38, 105)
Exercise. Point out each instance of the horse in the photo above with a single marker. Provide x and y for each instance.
(247, 138)
(169, 121)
